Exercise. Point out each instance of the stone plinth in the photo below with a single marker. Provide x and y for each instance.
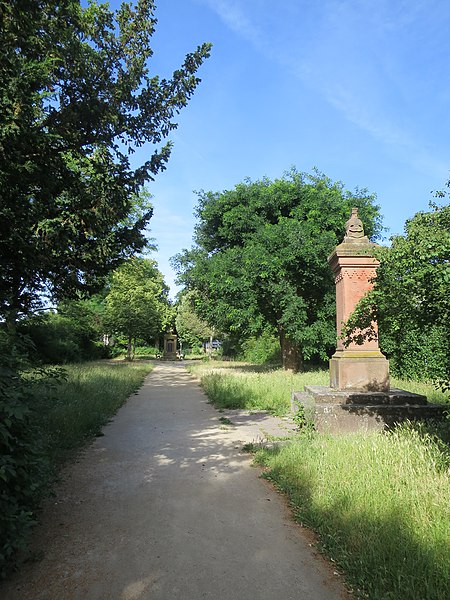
(335, 411)
(355, 367)
(365, 371)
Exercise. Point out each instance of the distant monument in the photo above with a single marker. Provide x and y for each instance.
(359, 396)
(170, 346)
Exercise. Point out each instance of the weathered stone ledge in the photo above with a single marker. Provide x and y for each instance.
(344, 412)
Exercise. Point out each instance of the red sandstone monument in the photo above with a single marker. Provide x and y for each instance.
(359, 396)
(355, 367)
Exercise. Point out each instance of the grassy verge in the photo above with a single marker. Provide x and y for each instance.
(258, 387)
(419, 387)
(77, 409)
(379, 502)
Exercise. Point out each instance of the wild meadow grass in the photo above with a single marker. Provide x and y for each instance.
(78, 407)
(419, 387)
(380, 505)
(379, 502)
(241, 385)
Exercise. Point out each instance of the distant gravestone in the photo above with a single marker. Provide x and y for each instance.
(359, 397)
(170, 346)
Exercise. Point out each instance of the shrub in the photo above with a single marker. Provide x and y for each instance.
(60, 339)
(418, 354)
(24, 470)
(262, 349)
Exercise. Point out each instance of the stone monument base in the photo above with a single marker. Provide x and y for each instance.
(338, 411)
(359, 370)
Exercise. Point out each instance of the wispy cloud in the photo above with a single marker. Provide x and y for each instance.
(234, 16)
(353, 54)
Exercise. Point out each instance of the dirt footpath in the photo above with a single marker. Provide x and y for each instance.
(166, 506)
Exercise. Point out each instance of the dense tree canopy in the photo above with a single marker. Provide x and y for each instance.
(77, 98)
(137, 305)
(260, 258)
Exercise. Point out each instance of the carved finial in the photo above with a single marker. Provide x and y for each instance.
(354, 229)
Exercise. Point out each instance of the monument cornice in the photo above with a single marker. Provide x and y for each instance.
(354, 249)
(353, 255)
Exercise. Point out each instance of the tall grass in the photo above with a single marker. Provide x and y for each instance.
(380, 504)
(419, 387)
(240, 385)
(80, 406)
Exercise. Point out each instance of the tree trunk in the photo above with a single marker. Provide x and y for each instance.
(130, 348)
(11, 319)
(290, 353)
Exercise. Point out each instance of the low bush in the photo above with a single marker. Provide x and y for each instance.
(146, 352)
(419, 353)
(262, 349)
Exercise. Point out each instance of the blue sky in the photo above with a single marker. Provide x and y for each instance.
(359, 89)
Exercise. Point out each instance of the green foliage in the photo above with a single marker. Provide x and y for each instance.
(379, 504)
(137, 305)
(72, 334)
(191, 329)
(420, 353)
(143, 351)
(77, 99)
(24, 470)
(260, 259)
(410, 299)
(262, 349)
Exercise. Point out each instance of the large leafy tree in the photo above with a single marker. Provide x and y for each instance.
(137, 304)
(260, 259)
(77, 98)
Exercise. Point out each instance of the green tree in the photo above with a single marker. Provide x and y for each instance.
(77, 98)
(260, 259)
(137, 304)
(410, 299)
(191, 329)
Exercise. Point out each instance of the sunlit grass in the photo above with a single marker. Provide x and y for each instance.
(80, 406)
(247, 386)
(240, 385)
(380, 504)
(425, 388)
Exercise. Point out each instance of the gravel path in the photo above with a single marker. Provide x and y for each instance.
(166, 506)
